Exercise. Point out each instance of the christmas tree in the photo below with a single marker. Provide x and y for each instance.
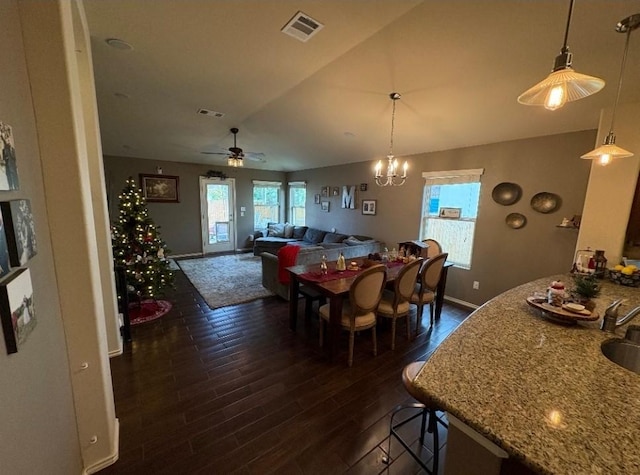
(137, 246)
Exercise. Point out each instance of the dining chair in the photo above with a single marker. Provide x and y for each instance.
(359, 312)
(425, 288)
(396, 303)
(434, 247)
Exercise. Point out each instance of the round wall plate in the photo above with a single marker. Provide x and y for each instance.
(506, 193)
(545, 202)
(515, 220)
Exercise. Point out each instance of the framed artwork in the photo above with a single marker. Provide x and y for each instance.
(363, 187)
(160, 188)
(16, 309)
(325, 206)
(369, 207)
(316, 199)
(336, 191)
(8, 163)
(19, 231)
(326, 190)
(4, 250)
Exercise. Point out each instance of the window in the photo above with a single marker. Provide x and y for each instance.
(266, 203)
(297, 200)
(459, 189)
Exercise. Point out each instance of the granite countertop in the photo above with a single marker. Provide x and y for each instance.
(542, 391)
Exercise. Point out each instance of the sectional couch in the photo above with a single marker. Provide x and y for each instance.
(313, 245)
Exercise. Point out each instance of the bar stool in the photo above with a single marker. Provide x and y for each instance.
(428, 415)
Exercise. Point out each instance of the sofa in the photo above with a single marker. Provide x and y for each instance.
(309, 253)
(278, 235)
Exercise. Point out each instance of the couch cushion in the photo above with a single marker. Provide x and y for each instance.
(288, 230)
(298, 232)
(356, 240)
(275, 230)
(313, 235)
(331, 238)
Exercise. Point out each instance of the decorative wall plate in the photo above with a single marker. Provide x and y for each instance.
(506, 193)
(516, 220)
(545, 202)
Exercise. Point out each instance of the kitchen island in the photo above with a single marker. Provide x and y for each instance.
(541, 391)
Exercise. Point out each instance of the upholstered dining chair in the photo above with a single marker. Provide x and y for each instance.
(434, 247)
(396, 303)
(425, 288)
(359, 312)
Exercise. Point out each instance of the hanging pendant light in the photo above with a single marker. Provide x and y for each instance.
(391, 177)
(609, 150)
(563, 84)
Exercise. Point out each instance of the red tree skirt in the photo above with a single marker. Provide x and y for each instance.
(147, 310)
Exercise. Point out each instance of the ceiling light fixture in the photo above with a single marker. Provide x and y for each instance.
(235, 158)
(391, 178)
(563, 84)
(605, 153)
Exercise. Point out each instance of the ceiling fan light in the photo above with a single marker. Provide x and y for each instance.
(560, 87)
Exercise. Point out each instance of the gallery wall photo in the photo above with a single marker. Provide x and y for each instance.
(8, 160)
(19, 230)
(16, 308)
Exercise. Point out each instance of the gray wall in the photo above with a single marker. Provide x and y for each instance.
(37, 429)
(502, 257)
(180, 222)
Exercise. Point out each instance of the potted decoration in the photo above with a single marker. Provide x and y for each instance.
(585, 288)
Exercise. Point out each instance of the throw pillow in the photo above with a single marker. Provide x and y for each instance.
(298, 232)
(334, 237)
(275, 230)
(288, 230)
(314, 236)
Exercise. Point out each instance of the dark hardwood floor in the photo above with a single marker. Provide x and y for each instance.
(233, 390)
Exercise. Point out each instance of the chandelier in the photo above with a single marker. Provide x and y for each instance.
(563, 84)
(391, 178)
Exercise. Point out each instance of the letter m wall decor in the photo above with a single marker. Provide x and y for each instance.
(349, 197)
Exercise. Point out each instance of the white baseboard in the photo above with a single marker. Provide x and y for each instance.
(111, 459)
(462, 303)
(192, 254)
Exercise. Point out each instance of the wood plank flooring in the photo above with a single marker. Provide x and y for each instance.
(233, 390)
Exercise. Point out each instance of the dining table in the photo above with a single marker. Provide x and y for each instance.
(335, 286)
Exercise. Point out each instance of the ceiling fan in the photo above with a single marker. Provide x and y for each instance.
(236, 156)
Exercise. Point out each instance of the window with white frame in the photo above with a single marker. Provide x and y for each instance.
(447, 195)
(297, 201)
(267, 196)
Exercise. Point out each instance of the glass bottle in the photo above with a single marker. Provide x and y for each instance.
(600, 264)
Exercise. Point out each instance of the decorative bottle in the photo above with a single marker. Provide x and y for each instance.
(341, 264)
(600, 264)
(323, 264)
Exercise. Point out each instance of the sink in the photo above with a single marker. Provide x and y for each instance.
(623, 352)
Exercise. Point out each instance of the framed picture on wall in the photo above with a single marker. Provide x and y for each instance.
(325, 206)
(369, 207)
(326, 190)
(316, 199)
(19, 230)
(9, 170)
(16, 308)
(160, 188)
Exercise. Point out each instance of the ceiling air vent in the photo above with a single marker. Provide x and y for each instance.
(210, 113)
(302, 27)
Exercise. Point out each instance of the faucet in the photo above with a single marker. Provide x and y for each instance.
(610, 321)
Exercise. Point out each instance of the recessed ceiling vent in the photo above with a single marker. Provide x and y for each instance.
(211, 113)
(302, 27)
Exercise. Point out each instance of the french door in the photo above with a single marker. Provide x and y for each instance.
(217, 205)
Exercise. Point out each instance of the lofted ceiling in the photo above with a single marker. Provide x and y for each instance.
(459, 66)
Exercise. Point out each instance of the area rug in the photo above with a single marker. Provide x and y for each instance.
(226, 280)
(147, 310)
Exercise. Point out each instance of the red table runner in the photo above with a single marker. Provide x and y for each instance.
(332, 274)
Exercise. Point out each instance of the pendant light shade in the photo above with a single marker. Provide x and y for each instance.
(609, 150)
(563, 84)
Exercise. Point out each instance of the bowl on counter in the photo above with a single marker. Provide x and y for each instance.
(630, 280)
